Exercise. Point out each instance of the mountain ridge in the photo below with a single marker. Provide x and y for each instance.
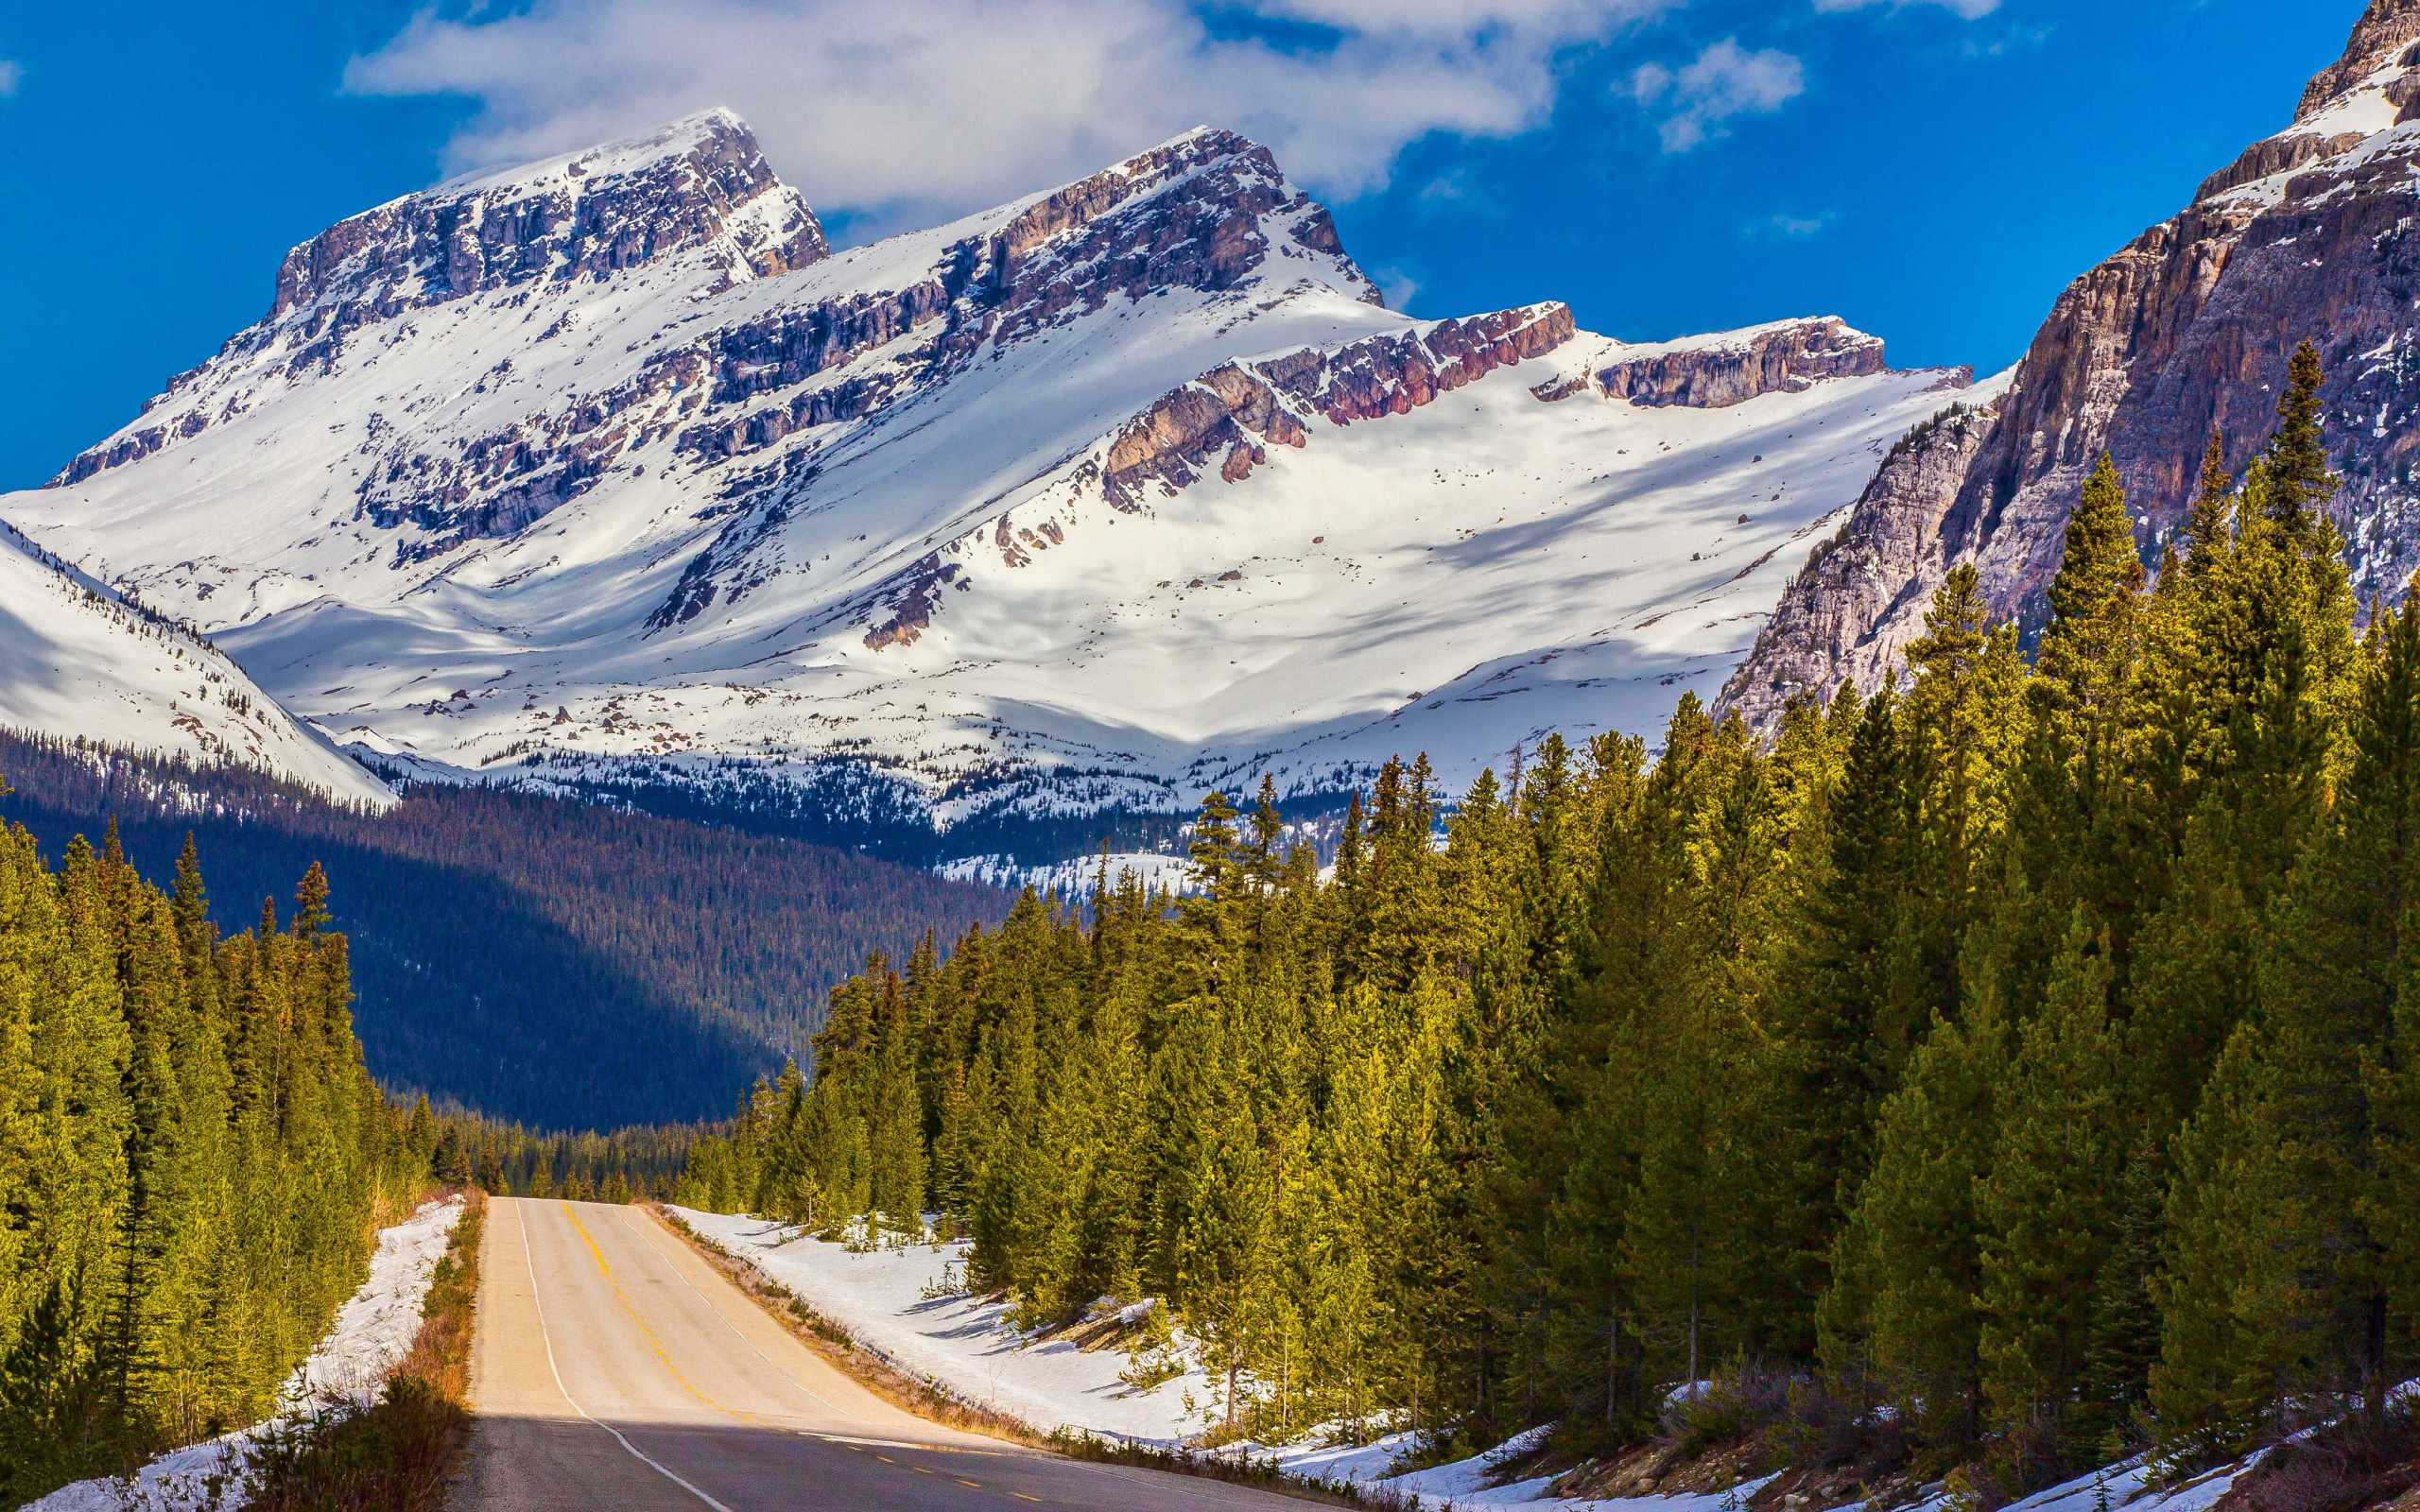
(2185, 332)
(82, 664)
(1079, 506)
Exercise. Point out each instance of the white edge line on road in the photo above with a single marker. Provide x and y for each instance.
(636, 1452)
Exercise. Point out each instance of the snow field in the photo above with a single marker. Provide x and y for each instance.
(77, 663)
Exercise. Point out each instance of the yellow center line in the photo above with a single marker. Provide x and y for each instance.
(605, 1269)
(653, 1342)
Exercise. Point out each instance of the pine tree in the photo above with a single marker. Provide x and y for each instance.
(2045, 1214)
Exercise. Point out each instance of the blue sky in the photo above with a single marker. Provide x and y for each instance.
(1933, 170)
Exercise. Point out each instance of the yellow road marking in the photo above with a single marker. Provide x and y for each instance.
(963, 1480)
(653, 1342)
(1022, 1497)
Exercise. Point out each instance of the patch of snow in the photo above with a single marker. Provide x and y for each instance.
(79, 661)
(369, 1336)
(900, 1303)
(1074, 878)
(906, 1304)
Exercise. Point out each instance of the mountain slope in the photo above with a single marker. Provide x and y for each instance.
(78, 663)
(2311, 234)
(606, 473)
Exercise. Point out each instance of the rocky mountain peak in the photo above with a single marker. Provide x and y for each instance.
(2387, 27)
(1210, 185)
(1718, 371)
(2185, 332)
(700, 183)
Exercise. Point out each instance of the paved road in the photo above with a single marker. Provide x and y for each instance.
(614, 1369)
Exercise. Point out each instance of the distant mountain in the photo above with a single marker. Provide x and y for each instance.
(605, 474)
(79, 662)
(2313, 233)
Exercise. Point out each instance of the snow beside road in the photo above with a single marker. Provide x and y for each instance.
(908, 1305)
(892, 1302)
(905, 1304)
(368, 1338)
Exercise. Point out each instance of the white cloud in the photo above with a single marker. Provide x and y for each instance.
(1789, 227)
(1726, 80)
(1969, 8)
(11, 75)
(903, 111)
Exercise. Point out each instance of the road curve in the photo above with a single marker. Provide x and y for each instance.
(614, 1369)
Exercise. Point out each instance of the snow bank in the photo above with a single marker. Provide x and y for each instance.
(369, 1336)
(906, 1304)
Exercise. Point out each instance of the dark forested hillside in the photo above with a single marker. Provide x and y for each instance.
(559, 964)
(1988, 1078)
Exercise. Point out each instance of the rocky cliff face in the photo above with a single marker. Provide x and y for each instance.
(1226, 416)
(1718, 372)
(2310, 234)
(698, 194)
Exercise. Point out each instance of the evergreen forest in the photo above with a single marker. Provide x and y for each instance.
(467, 1149)
(192, 1158)
(2015, 1065)
(557, 963)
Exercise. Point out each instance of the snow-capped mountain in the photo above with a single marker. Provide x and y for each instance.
(607, 471)
(78, 663)
(2313, 232)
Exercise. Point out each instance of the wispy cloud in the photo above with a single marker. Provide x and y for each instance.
(2014, 41)
(11, 75)
(1786, 227)
(901, 112)
(1726, 80)
(1969, 8)
(1458, 191)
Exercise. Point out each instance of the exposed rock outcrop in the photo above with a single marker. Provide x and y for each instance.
(1716, 374)
(700, 188)
(2315, 234)
(1845, 618)
(1226, 415)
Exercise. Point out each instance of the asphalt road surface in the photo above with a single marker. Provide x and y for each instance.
(614, 1369)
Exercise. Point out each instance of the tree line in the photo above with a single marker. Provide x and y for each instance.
(559, 963)
(467, 1149)
(2016, 1063)
(192, 1158)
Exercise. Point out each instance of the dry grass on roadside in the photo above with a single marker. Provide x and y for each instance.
(1259, 1474)
(398, 1454)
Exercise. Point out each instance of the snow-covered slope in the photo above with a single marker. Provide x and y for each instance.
(77, 663)
(607, 470)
